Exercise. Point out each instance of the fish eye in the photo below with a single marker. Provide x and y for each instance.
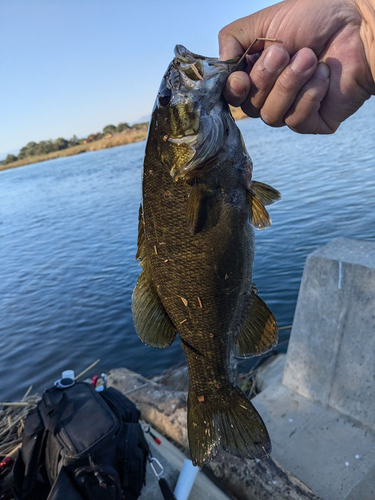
(165, 97)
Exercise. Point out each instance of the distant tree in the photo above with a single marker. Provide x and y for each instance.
(139, 126)
(10, 159)
(31, 148)
(109, 129)
(45, 147)
(74, 141)
(122, 126)
(61, 143)
(22, 153)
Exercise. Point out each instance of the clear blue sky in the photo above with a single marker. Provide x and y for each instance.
(73, 66)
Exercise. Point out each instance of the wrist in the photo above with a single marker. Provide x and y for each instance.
(366, 9)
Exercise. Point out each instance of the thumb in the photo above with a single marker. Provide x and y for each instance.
(236, 37)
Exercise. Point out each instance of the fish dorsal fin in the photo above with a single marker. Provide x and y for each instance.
(260, 218)
(266, 193)
(203, 208)
(151, 321)
(258, 332)
(141, 244)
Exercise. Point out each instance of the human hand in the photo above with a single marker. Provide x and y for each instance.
(318, 74)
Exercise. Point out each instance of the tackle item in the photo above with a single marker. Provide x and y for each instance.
(79, 444)
(158, 470)
(185, 480)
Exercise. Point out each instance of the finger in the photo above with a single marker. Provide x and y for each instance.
(303, 116)
(236, 37)
(263, 77)
(287, 86)
(237, 88)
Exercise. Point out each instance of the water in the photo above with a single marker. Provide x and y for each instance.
(68, 231)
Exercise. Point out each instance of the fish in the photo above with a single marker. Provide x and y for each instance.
(196, 248)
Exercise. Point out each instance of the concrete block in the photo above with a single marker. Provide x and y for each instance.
(331, 355)
(321, 418)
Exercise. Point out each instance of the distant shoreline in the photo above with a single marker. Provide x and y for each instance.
(129, 136)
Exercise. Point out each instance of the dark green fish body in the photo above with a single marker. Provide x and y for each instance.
(196, 247)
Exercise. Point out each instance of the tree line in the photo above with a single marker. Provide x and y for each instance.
(45, 147)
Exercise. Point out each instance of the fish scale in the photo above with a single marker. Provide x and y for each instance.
(196, 247)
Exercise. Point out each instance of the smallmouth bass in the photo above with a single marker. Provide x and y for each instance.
(196, 249)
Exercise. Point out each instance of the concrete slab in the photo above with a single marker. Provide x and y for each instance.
(326, 450)
(365, 488)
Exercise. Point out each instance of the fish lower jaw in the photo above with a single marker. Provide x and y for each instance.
(188, 139)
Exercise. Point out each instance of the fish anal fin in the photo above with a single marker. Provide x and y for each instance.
(203, 208)
(225, 420)
(258, 333)
(266, 193)
(151, 321)
(260, 218)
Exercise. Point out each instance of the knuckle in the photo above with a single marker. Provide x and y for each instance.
(223, 33)
(310, 96)
(287, 83)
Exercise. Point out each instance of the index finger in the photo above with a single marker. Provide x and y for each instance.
(236, 37)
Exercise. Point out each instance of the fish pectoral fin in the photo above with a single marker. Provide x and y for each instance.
(151, 321)
(141, 244)
(260, 218)
(266, 193)
(225, 420)
(259, 331)
(203, 208)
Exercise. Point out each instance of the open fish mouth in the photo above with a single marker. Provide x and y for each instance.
(190, 102)
(188, 139)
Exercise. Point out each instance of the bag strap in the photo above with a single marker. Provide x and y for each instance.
(58, 411)
(30, 455)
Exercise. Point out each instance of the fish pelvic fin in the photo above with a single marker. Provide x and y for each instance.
(259, 332)
(203, 208)
(225, 420)
(151, 321)
(259, 216)
(266, 193)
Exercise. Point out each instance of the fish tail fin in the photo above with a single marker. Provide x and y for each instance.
(225, 420)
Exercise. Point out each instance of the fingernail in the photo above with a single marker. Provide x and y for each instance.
(302, 61)
(275, 58)
(236, 86)
(322, 71)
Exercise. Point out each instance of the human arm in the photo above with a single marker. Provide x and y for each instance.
(320, 71)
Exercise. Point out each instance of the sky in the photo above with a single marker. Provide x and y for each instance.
(74, 66)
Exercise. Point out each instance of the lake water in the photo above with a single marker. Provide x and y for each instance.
(68, 231)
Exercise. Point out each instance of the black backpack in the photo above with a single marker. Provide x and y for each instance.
(79, 444)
